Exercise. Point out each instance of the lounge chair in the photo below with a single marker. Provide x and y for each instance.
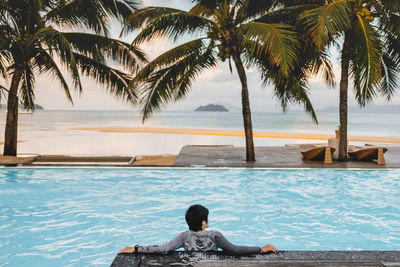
(367, 153)
(317, 152)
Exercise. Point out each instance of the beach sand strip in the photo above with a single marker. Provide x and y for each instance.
(237, 133)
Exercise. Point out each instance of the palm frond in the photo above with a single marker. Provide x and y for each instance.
(26, 92)
(392, 47)
(47, 65)
(168, 58)
(252, 8)
(144, 16)
(102, 48)
(210, 4)
(288, 89)
(93, 14)
(390, 79)
(75, 13)
(168, 22)
(203, 11)
(299, 95)
(288, 14)
(59, 44)
(291, 90)
(276, 41)
(3, 65)
(3, 93)
(328, 20)
(206, 61)
(120, 9)
(174, 81)
(394, 23)
(6, 15)
(388, 20)
(390, 6)
(322, 67)
(116, 81)
(5, 44)
(291, 3)
(366, 60)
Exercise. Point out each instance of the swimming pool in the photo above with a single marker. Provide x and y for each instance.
(79, 217)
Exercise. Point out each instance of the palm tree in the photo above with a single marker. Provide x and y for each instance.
(243, 31)
(368, 32)
(37, 35)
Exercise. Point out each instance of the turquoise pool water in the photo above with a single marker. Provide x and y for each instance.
(80, 217)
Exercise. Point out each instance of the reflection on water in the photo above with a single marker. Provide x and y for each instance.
(49, 132)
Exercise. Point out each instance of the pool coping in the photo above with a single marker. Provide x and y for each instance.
(283, 258)
(192, 156)
(81, 166)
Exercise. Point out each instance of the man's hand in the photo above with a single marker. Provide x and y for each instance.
(129, 250)
(269, 248)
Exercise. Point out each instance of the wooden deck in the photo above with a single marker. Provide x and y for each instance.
(271, 157)
(208, 156)
(284, 258)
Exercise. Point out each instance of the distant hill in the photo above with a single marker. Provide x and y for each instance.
(231, 108)
(212, 107)
(369, 109)
(37, 106)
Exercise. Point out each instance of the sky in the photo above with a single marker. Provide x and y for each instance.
(212, 86)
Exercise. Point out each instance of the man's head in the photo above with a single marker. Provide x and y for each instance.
(197, 217)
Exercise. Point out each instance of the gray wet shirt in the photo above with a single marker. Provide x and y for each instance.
(204, 241)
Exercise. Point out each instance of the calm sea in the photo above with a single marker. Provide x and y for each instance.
(50, 132)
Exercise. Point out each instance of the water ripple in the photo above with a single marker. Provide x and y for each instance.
(78, 217)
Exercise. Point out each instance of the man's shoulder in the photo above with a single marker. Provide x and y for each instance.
(184, 233)
(212, 232)
(215, 231)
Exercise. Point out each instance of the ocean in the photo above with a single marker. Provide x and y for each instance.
(52, 131)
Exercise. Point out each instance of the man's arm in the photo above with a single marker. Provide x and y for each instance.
(227, 246)
(175, 243)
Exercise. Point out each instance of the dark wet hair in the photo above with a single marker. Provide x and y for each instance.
(195, 215)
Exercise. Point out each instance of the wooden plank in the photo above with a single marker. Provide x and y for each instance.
(381, 157)
(328, 156)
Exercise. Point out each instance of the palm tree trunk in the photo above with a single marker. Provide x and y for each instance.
(344, 84)
(10, 137)
(248, 128)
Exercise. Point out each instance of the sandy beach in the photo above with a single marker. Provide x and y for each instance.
(237, 133)
(119, 133)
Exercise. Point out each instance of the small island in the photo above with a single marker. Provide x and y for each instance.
(212, 107)
(21, 107)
